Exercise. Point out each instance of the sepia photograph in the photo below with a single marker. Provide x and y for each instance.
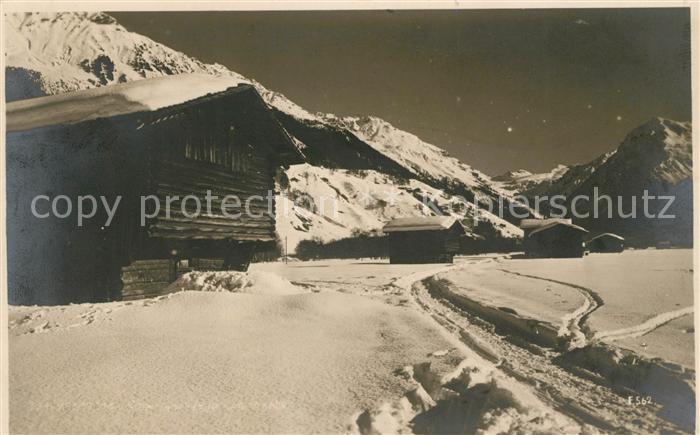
(347, 218)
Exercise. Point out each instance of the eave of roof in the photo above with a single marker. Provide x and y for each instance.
(614, 236)
(527, 224)
(554, 224)
(114, 100)
(431, 223)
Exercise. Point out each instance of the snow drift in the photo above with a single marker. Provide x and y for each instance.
(235, 282)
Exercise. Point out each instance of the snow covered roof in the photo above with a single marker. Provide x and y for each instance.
(107, 101)
(614, 236)
(528, 224)
(554, 224)
(429, 223)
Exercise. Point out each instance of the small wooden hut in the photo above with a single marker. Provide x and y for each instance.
(529, 225)
(225, 143)
(555, 239)
(606, 242)
(434, 239)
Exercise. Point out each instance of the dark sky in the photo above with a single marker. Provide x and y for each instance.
(500, 90)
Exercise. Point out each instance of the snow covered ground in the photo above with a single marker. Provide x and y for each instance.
(323, 346)
(605, 310)
(641, 290)
(256, 359)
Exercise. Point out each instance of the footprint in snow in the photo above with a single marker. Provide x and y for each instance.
(39, 329)
(439, 353)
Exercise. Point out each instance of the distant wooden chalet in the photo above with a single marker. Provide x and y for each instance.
(556, 238)
(529, 225)
(228, 142)
(434, 239)
(606, 242)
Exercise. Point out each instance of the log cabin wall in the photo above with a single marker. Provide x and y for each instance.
(559, 241)
(422, 246)
(224, 145)
(228, 142)
(425, 246)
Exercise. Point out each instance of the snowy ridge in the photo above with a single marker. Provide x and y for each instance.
(329, 204)
(410, 151)
(522, 180)
(672, 139)
(79, 50)
(658, 150)
(75, 50)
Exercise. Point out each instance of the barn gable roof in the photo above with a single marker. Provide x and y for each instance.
(611, 235)
(528, 224)
(154, 100)
(422, 223)
(556, 224)
(114, 100)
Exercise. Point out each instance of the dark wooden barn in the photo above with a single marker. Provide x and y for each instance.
(555, 239)
(530, 225)
(606, 242)
(227, 143)
(434, 239)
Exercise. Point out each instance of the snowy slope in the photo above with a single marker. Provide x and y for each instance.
(522, 180)
(658, 152)
(419, 157)
(329, 204)
(562, 180)
(670, 140)
(80, 50)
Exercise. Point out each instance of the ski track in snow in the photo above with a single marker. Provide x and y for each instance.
(573, 324)
(436, 400)
(406, 282)
(594, 407)
(643, 328)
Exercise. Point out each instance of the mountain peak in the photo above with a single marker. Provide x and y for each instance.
(79, 50)
(662, 143)
(663, 128)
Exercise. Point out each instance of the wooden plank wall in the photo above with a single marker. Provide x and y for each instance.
(189, 177)
(147, 278)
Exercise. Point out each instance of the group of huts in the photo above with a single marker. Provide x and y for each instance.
(558, 237)
(436, 239)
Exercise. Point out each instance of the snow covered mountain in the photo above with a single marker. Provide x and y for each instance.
(57, 53)
(329, 204)
(562, 180)
(72, 51)
(522, 180)
(655, 158)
